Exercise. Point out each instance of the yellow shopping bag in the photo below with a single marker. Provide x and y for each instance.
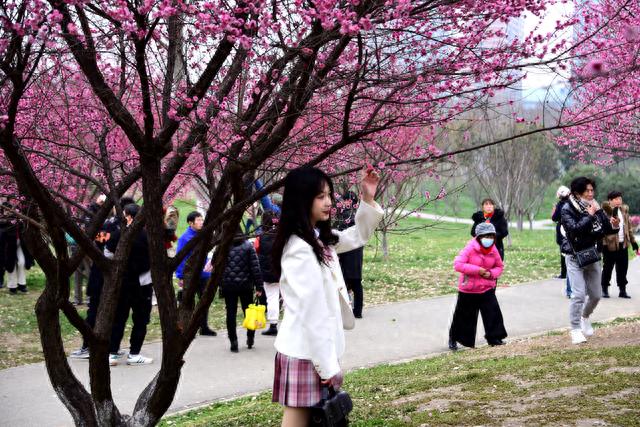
(255, 317)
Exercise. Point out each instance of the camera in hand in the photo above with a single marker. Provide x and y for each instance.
(615, 211)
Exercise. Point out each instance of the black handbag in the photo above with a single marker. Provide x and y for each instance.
(332, 410)
(585, 257)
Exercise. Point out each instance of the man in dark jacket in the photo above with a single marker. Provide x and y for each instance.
(135, 294)
(495, 216)
(95, 281)
(242, 277)
(585, 223)
(615, 251)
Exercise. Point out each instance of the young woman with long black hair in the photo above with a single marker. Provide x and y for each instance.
(311, 340)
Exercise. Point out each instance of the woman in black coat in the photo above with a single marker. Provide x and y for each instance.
(264, 247)
(351, 262)
(242, 278)
(495, 216)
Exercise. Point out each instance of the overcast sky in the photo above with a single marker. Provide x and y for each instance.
(537, 78)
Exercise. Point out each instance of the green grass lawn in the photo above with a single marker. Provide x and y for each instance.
(537, 381)
(421, 263)
(420, 266)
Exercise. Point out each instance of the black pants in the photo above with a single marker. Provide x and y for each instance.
(465, 318)
(94, 291)
(563, 267)
(618, 259)
(204, 325)
(137, 299)
(358, 296)
(231, 304)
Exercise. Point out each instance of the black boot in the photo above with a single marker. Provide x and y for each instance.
(250, 339)
(22, 288)
(623, 293)
(13, 291)
(494, 343)
(273, 330)
(208, 332)
(234, 346)
(605, 292)
(453, 345)
(204, 327)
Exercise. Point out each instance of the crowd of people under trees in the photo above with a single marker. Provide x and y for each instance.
(295, 250)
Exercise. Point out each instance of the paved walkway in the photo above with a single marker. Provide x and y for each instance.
(544, 224)
(387, 333)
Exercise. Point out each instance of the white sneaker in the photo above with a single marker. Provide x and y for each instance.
(577, 337)
(113, 359)
(585, 325)
(138, 359)
(81, 353)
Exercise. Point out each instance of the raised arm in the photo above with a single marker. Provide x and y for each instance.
(368, 215)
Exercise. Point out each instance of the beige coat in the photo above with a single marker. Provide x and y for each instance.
(610, 242)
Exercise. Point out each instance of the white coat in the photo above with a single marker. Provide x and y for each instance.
(312, 325)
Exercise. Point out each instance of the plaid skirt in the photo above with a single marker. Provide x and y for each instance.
(296, 382)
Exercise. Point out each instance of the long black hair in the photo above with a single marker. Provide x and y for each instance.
(301, 187)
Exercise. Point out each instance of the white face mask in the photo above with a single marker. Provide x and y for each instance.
(486, 242)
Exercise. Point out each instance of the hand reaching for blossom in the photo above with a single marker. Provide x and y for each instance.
(369, 184)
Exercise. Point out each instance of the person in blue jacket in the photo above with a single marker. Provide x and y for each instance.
(267, 205)
(195, 221)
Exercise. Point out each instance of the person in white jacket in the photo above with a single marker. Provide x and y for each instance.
(311, 340)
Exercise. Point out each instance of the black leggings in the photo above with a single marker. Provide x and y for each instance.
(465, 318)
(231, 305)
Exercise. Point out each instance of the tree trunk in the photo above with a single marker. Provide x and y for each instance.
(520, 221)
(385, 245)
(69, 390)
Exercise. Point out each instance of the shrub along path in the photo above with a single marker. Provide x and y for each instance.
(387, 333)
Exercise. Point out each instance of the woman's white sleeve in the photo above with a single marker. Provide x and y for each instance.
(367, 219)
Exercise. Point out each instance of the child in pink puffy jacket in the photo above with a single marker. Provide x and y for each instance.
(479, 265)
